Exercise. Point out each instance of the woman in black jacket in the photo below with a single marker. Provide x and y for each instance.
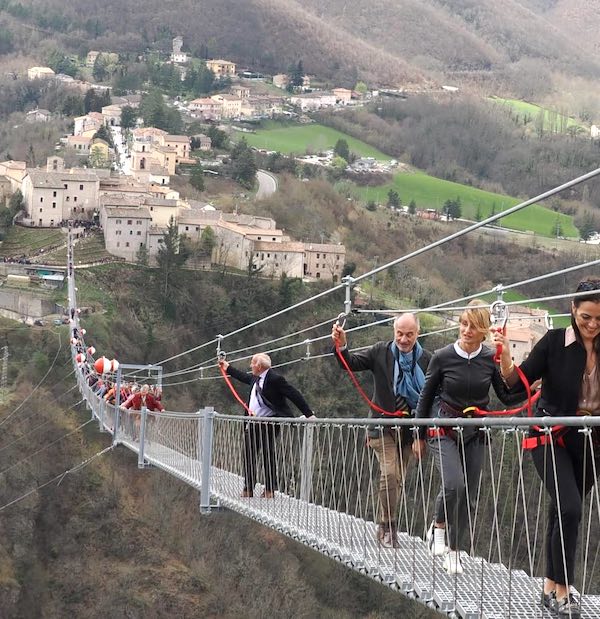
(459, 376)
(567, 362)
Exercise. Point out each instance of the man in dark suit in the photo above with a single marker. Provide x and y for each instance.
(268, 398)
(398, 369)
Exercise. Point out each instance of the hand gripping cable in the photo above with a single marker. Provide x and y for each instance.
(221, 356)
(499, 315)
(341, 322)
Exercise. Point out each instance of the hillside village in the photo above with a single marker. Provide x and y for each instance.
(125, 188)
(123, 184)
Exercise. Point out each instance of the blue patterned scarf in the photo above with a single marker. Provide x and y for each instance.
(409, 378)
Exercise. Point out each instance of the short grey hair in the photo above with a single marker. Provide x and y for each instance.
(415, 316)
(263, 359)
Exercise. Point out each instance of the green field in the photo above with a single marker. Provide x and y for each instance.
(312, 138)
(430, 192)
(530, 112)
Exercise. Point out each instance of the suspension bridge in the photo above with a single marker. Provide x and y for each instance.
(327, 496)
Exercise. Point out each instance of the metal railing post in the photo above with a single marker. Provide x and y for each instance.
(117, 418)
(207, 419)
(144, 416)
(101, 415)
(306, 462)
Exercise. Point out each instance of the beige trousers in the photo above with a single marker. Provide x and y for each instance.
(391, 470)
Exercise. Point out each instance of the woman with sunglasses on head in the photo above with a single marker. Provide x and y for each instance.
(567, 362)
(459, 376)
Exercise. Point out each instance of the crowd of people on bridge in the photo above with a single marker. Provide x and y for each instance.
(448, 383)
(128, 395)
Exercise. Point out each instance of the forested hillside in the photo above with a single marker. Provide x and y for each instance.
(394, 42)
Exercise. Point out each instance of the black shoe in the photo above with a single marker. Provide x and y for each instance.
(568, 607)
(549, 600)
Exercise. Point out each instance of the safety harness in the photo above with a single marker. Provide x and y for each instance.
(499, 313)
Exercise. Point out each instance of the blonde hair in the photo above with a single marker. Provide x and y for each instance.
(478, 314)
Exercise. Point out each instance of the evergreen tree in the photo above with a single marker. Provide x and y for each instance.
(557, 227)
(341, 149)
(99, 72)
(412, 207)
(586, 226)
(393, 198)
(208, 241)
(172, 255)
(197, 177)
(243, 164)
(128, 117)
(296, 73)
(218, 137)
(104, 133)
(73, 106)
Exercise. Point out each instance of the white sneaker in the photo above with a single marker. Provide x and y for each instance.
(452, 563)
(436, 540)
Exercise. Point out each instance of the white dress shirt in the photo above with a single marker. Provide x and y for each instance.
(257, 404)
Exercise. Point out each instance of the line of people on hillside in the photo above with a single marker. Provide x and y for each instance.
(446, 384)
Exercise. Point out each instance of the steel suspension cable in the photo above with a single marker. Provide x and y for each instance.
(404, 258)
(3, 421)
(495, 289)
(58, 478)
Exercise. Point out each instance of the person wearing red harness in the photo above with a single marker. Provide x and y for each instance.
(268, 398)
(567, 362)
(398, 369)
(459, 377)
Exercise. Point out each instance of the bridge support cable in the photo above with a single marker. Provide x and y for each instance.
(350, 281)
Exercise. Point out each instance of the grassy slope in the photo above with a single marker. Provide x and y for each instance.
(427, 191)
(302, 138)
(430, 192)
(25, 241)
(532, 110)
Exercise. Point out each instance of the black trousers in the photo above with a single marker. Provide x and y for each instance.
(459, 464)
(570, 471)
(260, 437)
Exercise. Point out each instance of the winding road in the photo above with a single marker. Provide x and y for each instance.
(267, 184)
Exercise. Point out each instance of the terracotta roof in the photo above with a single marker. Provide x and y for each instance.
(127, 211)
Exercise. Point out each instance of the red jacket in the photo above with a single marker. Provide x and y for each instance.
(135, 401)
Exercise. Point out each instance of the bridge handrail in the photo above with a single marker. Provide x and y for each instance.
(585, 421)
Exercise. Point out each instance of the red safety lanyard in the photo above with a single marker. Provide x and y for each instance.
(477, 412)
(360, 390)
(235, 393)
(474, 411)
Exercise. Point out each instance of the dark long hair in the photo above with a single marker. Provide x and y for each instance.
(592, 286)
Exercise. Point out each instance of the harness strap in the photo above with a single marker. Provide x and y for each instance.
(556, 436)
(439, 432)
